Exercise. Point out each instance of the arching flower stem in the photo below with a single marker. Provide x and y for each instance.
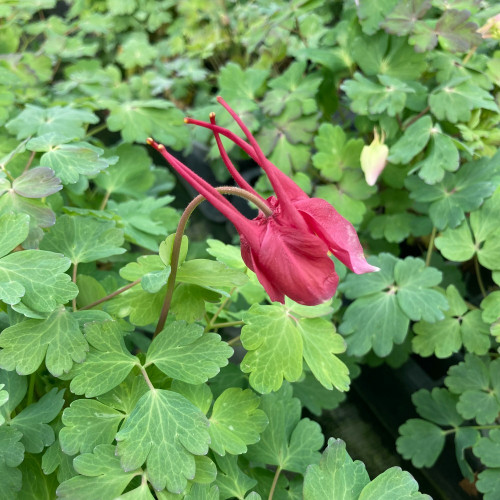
(174, 261)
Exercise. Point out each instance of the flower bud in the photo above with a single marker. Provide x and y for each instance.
(374, 158)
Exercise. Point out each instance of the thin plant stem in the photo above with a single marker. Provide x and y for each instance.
(228, 190)
(234, 340)
(31, 389)
(275, 481)
(111, 295)
(104, 201)
(97, 129)
(416, 117)
(469, 55)
(477, 427)
(479, 279)
(227, 324)
(211, 322)
(146, 378)
(30, 161)
(430, 247)
(75, 272)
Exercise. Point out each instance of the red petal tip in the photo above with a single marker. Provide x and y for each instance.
(219, 98)
(150, 141)
(186, 120)
(211, 115)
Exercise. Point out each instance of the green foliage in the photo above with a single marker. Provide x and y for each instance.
(338, 476)
(386, 302)
(91, 406)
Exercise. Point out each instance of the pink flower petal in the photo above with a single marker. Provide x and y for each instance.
(338, 233)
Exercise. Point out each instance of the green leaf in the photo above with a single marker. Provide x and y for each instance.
(276, 343)
(66, 121)
(415, 432)
(145, 221)
(108, 361)
(185, 353)
(37, 182)
(58, 339)
(70, 161)
(386, 301)
(489, 483)
(375, 321)
(88, 423)
(101, 476)
(335, 153)
(11, 455)
(288, 441)
(491, 307)
(336, 476)
(465, 438)
(454, 101)
(138, 120)
(393, 484)
(414, 295)
(476, 380)
(164, 430)
(367, 97)
(32, 421)
(239, 84)
(413, 140)
(131, 175)
(136, 51)
(321, 344)
(371, 14)
(384, 55)
(235, 421)
(16, 386)
(83, 239)
(455, 32)
(442, 157)
(124, 396)
(488, 449)
(294, 86)
(401, 20)
(11, 449)
(4, 397)
(13, 231)
(188, 302)
(231, 480)
(209, 273)
(314, 396)
(39, 485)
(457, 193)
(143, 307)
(438, 406)
(456, 244)
(36, 279)
(274, 347)
(458, 328)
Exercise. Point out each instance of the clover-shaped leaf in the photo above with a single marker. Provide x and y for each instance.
(164, 431)
(288, 441)
(386, 301)
(276, 343)
(58, 339)
(236, 421)
(184, 352)
(108, 362)
(101, 475)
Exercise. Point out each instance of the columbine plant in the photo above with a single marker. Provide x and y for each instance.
(287, 244)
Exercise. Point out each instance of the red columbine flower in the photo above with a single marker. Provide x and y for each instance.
(288, 249)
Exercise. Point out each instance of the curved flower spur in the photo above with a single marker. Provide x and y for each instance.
(288, 247)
